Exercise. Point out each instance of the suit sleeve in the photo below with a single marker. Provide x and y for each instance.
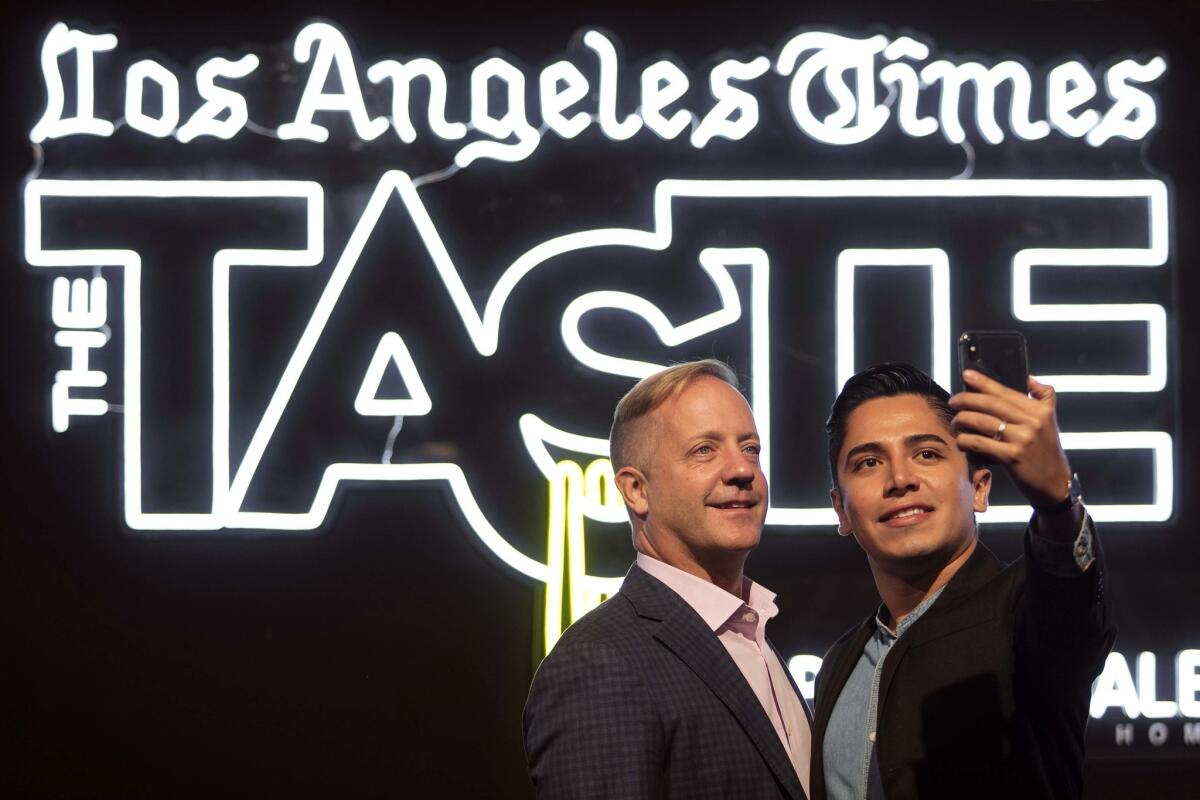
(1065, 627)
(1064, 632)
(591, 730)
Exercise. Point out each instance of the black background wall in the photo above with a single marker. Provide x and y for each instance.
(387, 652)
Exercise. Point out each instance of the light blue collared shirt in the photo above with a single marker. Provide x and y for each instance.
(849, 747)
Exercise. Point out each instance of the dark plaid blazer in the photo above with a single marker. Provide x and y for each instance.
(986, 695)
(639, 699)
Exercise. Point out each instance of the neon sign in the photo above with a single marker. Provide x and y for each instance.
(748, 284)
(823, 72)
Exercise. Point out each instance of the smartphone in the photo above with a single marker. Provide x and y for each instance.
(1001, 355)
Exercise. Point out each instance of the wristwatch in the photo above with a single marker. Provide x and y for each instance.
(1073, 498)
(1082, 549)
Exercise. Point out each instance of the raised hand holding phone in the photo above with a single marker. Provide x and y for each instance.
(1016, 429)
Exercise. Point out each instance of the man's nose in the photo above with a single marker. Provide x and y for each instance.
(739, 471)
(901, 479)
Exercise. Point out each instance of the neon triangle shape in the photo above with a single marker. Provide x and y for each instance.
(392, 350)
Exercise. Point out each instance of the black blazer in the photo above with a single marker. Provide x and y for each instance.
(986, 695)
(639, 699)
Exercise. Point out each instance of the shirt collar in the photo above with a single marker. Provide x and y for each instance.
(908, 620)
(714, 605)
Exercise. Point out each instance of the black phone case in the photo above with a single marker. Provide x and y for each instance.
(1001, 355)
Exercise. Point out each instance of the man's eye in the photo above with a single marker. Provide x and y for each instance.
(866, 462)
(703, 450)
(753, 449)
(929, 455)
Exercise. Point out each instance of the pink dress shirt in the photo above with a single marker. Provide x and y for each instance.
(741, 627)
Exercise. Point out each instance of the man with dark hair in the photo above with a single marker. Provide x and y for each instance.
(973, 678)
(671, 689)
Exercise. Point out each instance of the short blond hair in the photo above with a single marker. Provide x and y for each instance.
(628, 445)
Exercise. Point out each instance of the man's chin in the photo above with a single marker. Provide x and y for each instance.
(736, 541)
(915, 558)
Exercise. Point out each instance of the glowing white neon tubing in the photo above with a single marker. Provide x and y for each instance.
(452, 474)
(80, 343)
(58, 42)
(712, 261)
(536, 434)
(1187, 682)
(1068, 86)
(939, 303)
(1151, 706)
(906, 47)
(663, 83)
(986, 80)
(402, 76)
(332, 49)
(388, 183)
(760, 356)
(1018, 106)
(62, 405)
(736, 111)
(135, 82)
(1135, 693)
(659, 238)
(716, 263)
(556, 100)
(79, 303)
(483, 329)
(1155, 316)
(513, 123)
(219, 100)
(392, 350)
(607, 55)
(1133, 113)
(1115, 687)
(1159, 510)
(130, 261)
(857, 116)
(908, 84)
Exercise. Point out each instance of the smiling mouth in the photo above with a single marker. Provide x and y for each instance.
(910, 513)
(735, 504)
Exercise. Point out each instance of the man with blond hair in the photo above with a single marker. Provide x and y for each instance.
(670, 688)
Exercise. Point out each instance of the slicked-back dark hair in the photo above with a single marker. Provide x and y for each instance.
(883, 380)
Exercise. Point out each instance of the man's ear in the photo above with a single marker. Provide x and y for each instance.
(631, 482)
(844, 527)
(981, 482)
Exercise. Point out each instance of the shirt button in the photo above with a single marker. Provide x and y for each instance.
(871, 737)
(750, 616)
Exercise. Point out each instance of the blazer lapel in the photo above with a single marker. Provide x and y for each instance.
(835, 673)
(946, 615)
(686, 635)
